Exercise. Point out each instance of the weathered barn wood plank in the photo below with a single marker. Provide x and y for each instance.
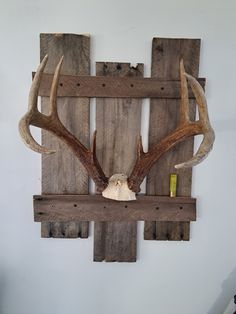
(103, 86)
(62, 172)
(97, 208)
(118, 123)
(164, 115)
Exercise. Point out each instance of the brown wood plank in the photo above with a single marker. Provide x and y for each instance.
(103, 86)
(97, 208)
(164, 114)
(118, 123)
(62, 172)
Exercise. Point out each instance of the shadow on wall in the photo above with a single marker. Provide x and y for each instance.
(226, 295)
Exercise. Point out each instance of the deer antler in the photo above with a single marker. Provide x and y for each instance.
(118, 186)
(185, 129)
(53, 124)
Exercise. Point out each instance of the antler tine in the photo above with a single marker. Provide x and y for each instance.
(207, 131)
(200, 99)
(53, 92)
(140, 151)
(34, 89)
(24, 124)
(184, 105)
(202, 153)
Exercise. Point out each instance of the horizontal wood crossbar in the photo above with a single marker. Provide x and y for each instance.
(62, 208)
(104, 86)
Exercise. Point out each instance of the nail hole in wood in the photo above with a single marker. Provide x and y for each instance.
(75, 205)
(162, 88)
(78, 84)
(157, 207)
(103, 85)
(104, 207)
(181, 207)
(40, 213)
(61, 84)
(131, 85)
(126, 206)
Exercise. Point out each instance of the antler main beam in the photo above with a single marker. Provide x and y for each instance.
(53, 124)
(186, 129)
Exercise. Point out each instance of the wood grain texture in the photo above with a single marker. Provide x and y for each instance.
(103, 86)
(62, 172)
(118, 123)
(97, 208)
(164, 115)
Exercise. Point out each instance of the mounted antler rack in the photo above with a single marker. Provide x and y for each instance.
(117, 145)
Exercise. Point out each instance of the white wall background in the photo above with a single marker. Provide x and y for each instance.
(58, 276)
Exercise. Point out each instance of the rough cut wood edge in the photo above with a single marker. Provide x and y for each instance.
(103, 86)
(62, 208)
(62, 172)
(166, 54)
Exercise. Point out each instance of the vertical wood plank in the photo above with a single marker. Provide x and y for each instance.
(62, 173)
(164, 115)
(118, 123)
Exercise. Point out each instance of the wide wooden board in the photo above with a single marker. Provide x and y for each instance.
(118, 123)
(105, 86)
(97, 208)
(62, 173)
(164, 115)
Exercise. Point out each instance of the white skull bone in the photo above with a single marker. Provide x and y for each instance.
(118, 189)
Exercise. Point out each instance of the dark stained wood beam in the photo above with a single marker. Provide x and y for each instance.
(104, 86)
(62, 208)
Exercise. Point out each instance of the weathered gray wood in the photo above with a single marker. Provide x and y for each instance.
(103, 86)
(97, 208)
(62, 172)
(164, 114)
(118, 125)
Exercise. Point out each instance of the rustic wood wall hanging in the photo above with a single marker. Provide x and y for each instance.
(116, 161)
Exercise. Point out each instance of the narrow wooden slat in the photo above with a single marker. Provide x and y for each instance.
(118, 125)
(96, 208)
(164, 115)
(103, 86)
(62, 172)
